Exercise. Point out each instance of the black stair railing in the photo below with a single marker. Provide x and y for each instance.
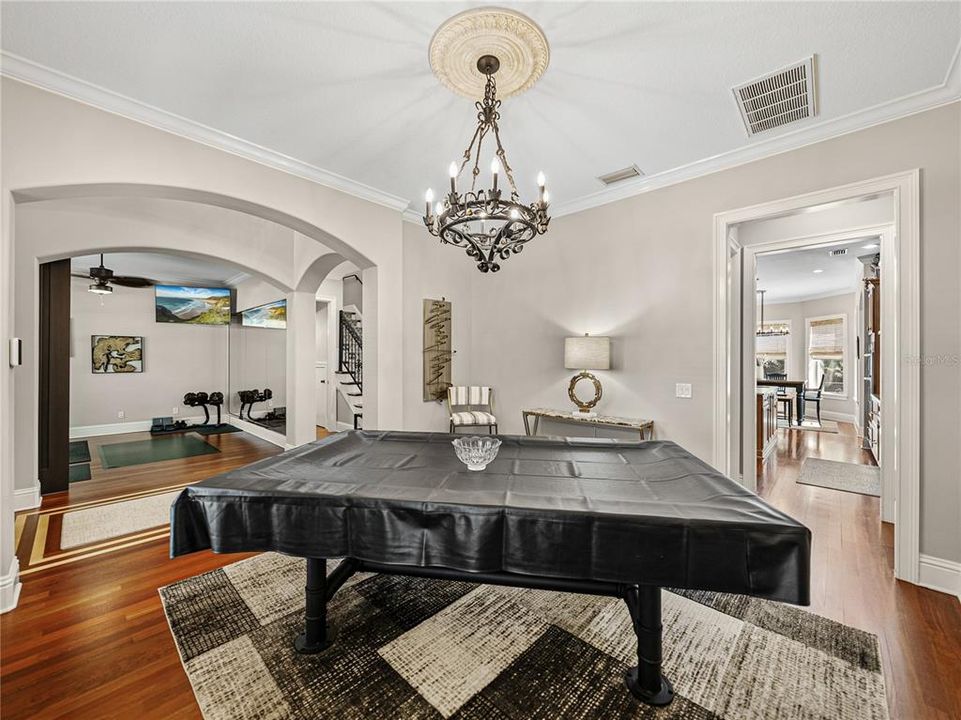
(351, 344)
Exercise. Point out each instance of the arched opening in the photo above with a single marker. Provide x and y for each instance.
(274, 249)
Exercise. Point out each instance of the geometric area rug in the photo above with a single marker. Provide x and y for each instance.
(419, 648)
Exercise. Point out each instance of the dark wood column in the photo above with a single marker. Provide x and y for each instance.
(54, 366)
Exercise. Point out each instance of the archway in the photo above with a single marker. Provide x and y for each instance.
(276, 258)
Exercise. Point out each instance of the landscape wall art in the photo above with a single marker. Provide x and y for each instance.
(193, 305)
(116, 354)
(272, 315)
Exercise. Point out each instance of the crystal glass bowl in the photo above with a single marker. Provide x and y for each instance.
(476, 451)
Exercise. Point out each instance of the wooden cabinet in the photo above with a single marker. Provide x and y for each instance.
(766, 409)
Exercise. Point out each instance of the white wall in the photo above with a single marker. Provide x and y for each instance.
(433, 271)
(798, 313)
(641, 271)
(177, 359)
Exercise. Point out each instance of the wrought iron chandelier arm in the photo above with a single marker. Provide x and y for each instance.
(502, 156)
(487, 225)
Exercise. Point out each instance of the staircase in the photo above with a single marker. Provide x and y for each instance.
(350, 365)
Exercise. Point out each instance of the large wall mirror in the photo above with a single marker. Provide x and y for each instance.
(258, 366)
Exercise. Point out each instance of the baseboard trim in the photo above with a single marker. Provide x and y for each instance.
(261, 432)
(26, 498)
(85, 431)
(10, 586)
(941, 575)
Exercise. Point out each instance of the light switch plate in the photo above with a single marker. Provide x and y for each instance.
(682, 390)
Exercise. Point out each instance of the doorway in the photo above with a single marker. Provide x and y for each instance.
(325, 336)
(737, 254)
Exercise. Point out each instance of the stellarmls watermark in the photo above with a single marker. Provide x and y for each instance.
(948, 360)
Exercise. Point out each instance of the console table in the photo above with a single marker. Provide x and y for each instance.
(644, 427)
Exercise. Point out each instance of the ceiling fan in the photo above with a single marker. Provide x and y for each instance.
(104, 277)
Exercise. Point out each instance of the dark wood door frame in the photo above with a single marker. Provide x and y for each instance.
(53, 442)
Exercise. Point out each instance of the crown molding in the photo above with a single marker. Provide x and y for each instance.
(947, 92)
(27, 71)
(31, 73)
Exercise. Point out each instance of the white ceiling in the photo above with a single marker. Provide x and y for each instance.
(347, 87)
(790, 277)
(170, 269)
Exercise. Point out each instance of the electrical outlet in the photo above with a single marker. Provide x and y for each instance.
(120, 414)
(682, 390)
(175, 410)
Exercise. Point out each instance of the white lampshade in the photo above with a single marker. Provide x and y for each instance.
(587, 353)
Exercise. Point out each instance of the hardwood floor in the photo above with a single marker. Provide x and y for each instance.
(89, 639)
(853, 581)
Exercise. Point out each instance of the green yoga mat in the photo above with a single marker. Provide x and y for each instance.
(217, 429)
(79, 452)
(156, 449)
(79, 471)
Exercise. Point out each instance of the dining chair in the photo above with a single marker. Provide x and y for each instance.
(783, 397)
(471, 406)
(812, 395)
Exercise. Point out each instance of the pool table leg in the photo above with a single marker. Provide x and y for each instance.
(316, 636)
(645, 681)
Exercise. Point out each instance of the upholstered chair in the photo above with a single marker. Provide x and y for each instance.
(471, 406)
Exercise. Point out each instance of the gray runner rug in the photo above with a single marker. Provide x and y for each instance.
(863, 479)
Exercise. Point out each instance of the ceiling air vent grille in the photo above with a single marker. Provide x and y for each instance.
(618, 175)
(780, 98)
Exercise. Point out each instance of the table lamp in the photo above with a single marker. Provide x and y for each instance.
(586, 353)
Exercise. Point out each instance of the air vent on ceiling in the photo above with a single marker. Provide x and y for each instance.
(618, 175)
(839, 251)
(780, 98)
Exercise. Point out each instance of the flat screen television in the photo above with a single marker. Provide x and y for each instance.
(192, 305)
(272, 315)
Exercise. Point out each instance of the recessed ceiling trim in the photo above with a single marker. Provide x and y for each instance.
(45, 78)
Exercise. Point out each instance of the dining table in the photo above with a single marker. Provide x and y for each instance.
(797, 385)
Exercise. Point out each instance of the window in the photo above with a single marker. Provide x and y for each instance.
(826, 353)
(771, 351)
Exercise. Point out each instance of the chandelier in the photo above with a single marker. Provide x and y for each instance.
(768, 331)
(488, 224)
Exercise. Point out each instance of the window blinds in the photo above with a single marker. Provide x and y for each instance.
(826, 339)
(772, 347)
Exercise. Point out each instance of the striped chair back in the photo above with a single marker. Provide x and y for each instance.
(472, 396)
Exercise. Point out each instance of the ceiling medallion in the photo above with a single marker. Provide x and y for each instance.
(489, 225)
(514, 39)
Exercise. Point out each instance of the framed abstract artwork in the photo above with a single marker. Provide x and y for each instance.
(112, 354)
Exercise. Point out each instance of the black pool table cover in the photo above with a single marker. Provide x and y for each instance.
(639, 513)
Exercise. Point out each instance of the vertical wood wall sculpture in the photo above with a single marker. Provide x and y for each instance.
(437, 352)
